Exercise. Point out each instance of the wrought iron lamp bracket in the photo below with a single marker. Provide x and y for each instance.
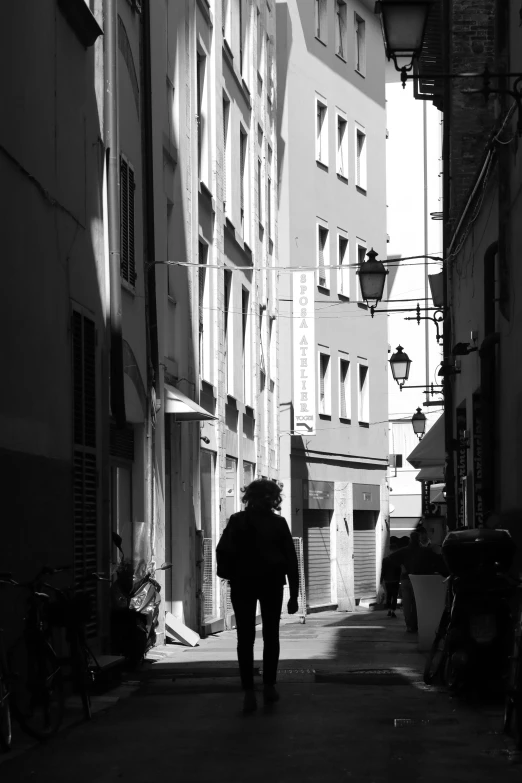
(437, 318)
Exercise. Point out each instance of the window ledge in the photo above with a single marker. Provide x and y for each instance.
(82, 21)
(344, 297)
(208, 388)
(342, 178)
(207, 194)
(360, 190)
(243, 89)
(340, 56)
(361, 73)
(324, 43)
(345, 420)
(363, 305)
(323, 287)
(364, 424)
(321, 165)
(131, 289)
(325, 416)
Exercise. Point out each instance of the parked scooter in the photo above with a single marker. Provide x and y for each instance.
(135, 603)
(471, 647)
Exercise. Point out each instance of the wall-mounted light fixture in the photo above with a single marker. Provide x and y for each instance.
(372, 278)
(418, 421)
(400, 364)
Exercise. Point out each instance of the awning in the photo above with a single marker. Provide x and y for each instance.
(431, 474)
(182, 407)
(430, 452)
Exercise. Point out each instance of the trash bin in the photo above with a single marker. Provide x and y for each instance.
(430, 596)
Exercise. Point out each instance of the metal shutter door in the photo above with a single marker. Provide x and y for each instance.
(317, 557)
(364, 563)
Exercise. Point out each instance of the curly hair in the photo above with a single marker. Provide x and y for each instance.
(263, 494)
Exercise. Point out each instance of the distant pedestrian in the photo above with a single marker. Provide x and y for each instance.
(390, 577)
(414, 559)
(256, 553)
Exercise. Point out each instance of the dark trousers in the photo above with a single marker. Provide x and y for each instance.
(392, 591)
(244, 600)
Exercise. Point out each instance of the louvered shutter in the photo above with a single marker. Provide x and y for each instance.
(322, 243)
(242, 157)
(224, 155)
(269, 206)
(259, 192)
(124, 219)
(340, 29)
(322, 376)
(85, 473)
(132, 260)
(342, 389)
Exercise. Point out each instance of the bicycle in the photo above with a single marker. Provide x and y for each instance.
(6, 734)
(32, 680)
(513, 704)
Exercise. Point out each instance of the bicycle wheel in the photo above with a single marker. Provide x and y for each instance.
(83, 676)
(5, 718)
(39, 697)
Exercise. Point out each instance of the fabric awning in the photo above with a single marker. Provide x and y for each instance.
(431, 474)
(182, 407)
(430, 452)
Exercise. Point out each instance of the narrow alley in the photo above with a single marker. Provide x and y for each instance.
(353, 707)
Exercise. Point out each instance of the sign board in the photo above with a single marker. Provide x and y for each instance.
(318, 494)
(477, 462)
(462, 466)
(303, 312)
(426, 499)
(366, 497)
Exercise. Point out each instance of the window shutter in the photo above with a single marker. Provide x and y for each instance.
(242, 151)
(132, 260)
(85, 474)
(259, 193)
(359, 151)
(124, 219)
(202, 274)
(322, 270)
(224, 154)
(322, 374)
(344, 379)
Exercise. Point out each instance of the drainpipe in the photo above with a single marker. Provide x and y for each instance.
(488, 379)
(110, 52)
(447, 383)
(153, 384)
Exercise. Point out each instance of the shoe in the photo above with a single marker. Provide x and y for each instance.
(392, 614)
(249, 702)
(270, 695)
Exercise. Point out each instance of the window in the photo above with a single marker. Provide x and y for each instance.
(273, 349)
(321, 27)
(260, 41)
(249, 473)
(262, 343)
(361, 159)
(364, 397)
(227, 333)
(360, 45)
(201, 89)
(343, 273)
(345, 402)
(321, 132)
(340, 28)
(361, 253)
(269, 191)
(323, 277)
(342, 147)
(259, 190)
(225, 19)
(242, 167)
(205, 367)
(226, 155)
(127, 186)
(324, 384)
(245, 345)
(232, 503)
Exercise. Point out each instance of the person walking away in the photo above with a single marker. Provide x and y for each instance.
(256, 554)
(415, 559)
(390, 577)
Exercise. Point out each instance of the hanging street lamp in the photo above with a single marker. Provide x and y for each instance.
(400, 364)
(403, 27)
(418, 421)
(372, 278)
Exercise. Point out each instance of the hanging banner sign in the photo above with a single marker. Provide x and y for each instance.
(303, 312)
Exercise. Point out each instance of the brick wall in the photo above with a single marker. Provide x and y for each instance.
(472, 47)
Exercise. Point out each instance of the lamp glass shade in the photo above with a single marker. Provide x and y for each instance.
(404, 23)
(418, 421)
(372, 277)
(400, 364)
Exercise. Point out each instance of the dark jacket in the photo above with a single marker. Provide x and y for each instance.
(256, 547)
(390, 572)
(418, 560)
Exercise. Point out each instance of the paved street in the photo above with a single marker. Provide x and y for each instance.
(339, 723)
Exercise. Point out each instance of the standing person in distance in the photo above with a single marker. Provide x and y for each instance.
(256, 554)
